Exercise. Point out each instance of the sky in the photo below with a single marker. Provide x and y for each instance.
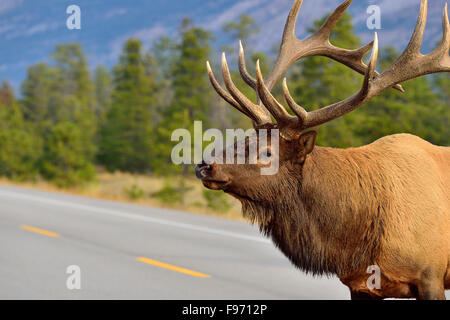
(30, 29)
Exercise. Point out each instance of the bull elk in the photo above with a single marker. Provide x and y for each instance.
(336, 211)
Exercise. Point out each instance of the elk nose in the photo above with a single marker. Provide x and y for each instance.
(203, 170)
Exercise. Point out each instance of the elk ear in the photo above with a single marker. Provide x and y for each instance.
(307, 141)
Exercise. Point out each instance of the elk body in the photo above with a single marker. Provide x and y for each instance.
(336, 211)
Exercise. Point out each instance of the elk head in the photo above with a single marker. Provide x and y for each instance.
(245, 181)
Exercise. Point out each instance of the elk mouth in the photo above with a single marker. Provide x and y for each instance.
(216, 184)
(205, 173)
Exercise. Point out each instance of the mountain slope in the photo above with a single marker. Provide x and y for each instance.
(29, 30)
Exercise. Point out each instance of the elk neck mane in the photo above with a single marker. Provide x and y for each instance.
(330, 218)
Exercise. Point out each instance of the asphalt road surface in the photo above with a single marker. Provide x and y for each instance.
(126, 251)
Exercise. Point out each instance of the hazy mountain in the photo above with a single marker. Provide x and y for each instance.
(29, 29)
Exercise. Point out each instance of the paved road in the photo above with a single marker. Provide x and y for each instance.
(134, 252)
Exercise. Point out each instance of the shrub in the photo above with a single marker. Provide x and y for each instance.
(65, 162)
(171, 194)
(19, 152)
(216, 200)
(134, 192)
(168, 194)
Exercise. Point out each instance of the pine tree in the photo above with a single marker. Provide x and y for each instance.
(417, 111)
(191, 91)
(6, 94)
(64, 162)
(442, 85)
(241, 30)
(19, 147)
(127, 135)
(69, 124)
(76, 89)
(36, 92)
(191, 97)
(165, 54)
(190, 85)
(103, 90)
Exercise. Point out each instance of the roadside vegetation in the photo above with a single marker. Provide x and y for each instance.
(146, 190)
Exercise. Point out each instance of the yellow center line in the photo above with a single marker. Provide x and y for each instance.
(173, 268)
(40, 231)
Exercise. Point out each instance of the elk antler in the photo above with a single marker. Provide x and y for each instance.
(293, 49)
(411, 64)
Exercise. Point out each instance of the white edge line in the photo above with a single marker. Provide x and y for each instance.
(131, 216)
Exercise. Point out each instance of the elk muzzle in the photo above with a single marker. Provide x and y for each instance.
(203, 170)
(211, 176)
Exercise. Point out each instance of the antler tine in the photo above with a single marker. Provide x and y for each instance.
(328, 26)
(291, 126)
(289, 28)
(258, 115)
(275, 108)
(224, 94)
(318, 44)
(415, 43)
(444, 46)
(299, 111)
(287, 41)
(321, 116)
(243, 68)
(446, 29)
(287, 48)
(371, 73)
(354, 55)
(412, 64)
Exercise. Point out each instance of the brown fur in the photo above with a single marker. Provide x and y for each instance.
(384, 204)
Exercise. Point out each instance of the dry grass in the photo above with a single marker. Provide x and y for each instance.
(114, 186)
